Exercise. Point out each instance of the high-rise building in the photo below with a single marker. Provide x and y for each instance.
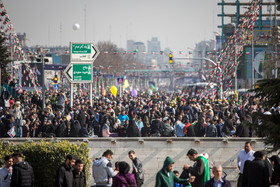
(154, 45)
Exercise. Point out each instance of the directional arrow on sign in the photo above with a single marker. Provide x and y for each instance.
(68, 72)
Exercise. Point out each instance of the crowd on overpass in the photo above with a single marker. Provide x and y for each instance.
(159, 114)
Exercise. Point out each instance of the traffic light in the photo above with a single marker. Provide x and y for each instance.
(170, 58)
(55, 79)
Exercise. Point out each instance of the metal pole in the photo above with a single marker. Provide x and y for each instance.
(43, 80)
(253, 69)
(90, 93)
(71, 95)
(235, 76)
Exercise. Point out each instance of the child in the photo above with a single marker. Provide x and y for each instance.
(177, 175)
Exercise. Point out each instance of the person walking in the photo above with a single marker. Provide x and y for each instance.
(102, 169)
(245, 154)
(165, 177)
(22, 174)
(256, 172)
(64, 174)
(137, 168)
(200, 169)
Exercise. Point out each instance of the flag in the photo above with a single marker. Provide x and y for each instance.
(106, 52)
(12, 132)
(175, 101)
(235, 96)
(152, 85)
(125, 83)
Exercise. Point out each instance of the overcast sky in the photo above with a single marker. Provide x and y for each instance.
(178, 24)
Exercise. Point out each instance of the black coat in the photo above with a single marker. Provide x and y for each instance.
(242, 130)
(22, 175)
(64, 176)
(61, 130)
(156, 126)
(190, 131)
(137, 169)
(75, 128)
(228, 126)
(211, 183)
(79, 180)
(132, 129)
(255, 174)
(198, 171)
(82, 117)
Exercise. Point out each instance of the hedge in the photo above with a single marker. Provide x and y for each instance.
(45, 157)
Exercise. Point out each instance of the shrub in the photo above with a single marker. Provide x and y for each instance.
(45, 157)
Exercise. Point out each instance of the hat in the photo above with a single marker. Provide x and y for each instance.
(18, 102)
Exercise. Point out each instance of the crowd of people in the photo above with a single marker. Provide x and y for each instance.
(159, 114)
(256, 170)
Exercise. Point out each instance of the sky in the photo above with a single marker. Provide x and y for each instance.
(178, 24)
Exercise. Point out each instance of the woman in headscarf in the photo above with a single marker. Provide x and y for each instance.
(124, 179)
(275, 162)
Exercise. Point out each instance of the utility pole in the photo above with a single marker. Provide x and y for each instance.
(43, 80)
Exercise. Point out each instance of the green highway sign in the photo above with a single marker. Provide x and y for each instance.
(81, 48)
(83, 52)
(79, 73)
(82, 72)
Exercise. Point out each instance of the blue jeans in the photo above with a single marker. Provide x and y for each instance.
(18, 126)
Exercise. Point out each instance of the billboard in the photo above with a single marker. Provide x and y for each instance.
(259, 60)
(37, 69)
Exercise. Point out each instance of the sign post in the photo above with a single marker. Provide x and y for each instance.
(80, 68)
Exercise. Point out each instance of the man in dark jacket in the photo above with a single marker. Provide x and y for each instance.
(22, 172)
(256, 172)
(200, 169)
(217, 180)
(228, 127)
(156, 126)
(64, 174)
(79, 176)
(137, 168)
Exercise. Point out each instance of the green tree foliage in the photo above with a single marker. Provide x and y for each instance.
(4, 57)
(45, 157)
(268, 90)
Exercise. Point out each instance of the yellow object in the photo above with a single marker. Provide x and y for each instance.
(235, 96)
(104, 92)
(114, 90)
(125, 84)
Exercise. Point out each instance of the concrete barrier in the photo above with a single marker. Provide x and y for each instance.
(153, 150)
